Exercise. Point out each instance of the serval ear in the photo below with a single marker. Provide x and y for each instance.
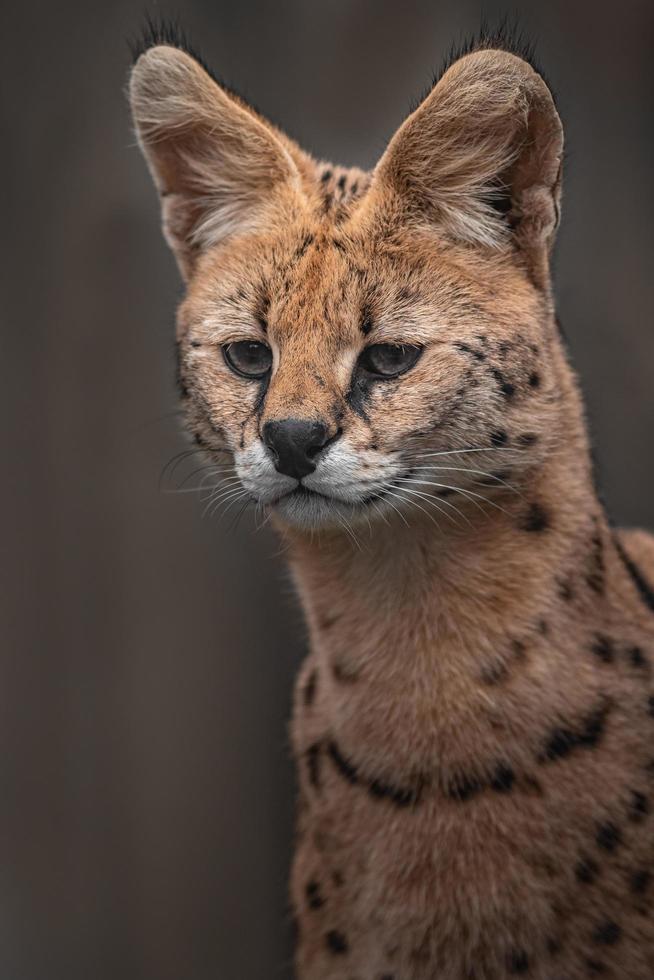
(218, 167)
(481, 157)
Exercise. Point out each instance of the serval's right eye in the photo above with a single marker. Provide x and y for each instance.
(248, 358)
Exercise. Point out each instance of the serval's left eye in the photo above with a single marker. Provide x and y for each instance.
(249, 358)
(389, 360)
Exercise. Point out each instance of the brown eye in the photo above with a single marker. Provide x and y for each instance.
(248, 358)
(389, 360)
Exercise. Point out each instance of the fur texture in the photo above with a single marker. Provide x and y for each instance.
(473, 727)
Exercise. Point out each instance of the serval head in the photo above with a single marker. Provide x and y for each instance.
(362, 344)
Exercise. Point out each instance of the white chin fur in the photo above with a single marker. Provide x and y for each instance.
(311, 511)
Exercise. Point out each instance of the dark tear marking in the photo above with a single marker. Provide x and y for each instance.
(564, 740)
(358, 395)
(313, 764)
(645, 590)
(377, 788)
(536, 519)
(336, 942)
(310, 689)
(607, 933)
(603, 648)
(314, 896)
(586, 871)
(608, 837)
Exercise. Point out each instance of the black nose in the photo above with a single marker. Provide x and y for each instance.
(294, 444)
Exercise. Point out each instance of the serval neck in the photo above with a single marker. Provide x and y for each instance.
(415, 632)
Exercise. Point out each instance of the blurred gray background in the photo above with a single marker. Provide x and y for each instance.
(147, 652)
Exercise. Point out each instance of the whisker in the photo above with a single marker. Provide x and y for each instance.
(436, 503)
(462, 490)
(427, 514)
(435, 467)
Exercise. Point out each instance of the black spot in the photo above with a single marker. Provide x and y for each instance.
(343, 674)
(310, 689)
(344, 766)
(566, 592)
(593, 726)
(608, 837)
(536, 519)
(477, 354)
(595, 575)
(603, 648)
(637, 658)
(594, 966)
(534, 379)
(561, 742)
(313, 764)
(499, 438)
(336, 942)
(650, 705)
(367, 322)
(640, 881)
(494, 674)
(342, 181)
(638, 806)
(445, 492)
(314, 896)
(507, 389)
(554, 946)
(527, 439)
(400, 797)
(302, 248)
(607, 933)
(518, 961)
(645, 590)
(196, 343)
(463, 787)
(503, 778)
(586, 871)
(326, 175)
(387, 976)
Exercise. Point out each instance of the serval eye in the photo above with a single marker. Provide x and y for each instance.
(248, 358)
(389, 360)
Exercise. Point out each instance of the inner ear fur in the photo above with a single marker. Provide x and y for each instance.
(481, 157)
(216, 164)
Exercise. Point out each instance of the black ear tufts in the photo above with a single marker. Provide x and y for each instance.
(158, 30)
(505, 35)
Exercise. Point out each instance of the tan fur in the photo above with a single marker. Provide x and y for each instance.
(473, 727)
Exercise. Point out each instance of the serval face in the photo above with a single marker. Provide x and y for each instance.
(362, 344)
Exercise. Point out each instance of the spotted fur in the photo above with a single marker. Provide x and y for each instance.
(474, 725)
